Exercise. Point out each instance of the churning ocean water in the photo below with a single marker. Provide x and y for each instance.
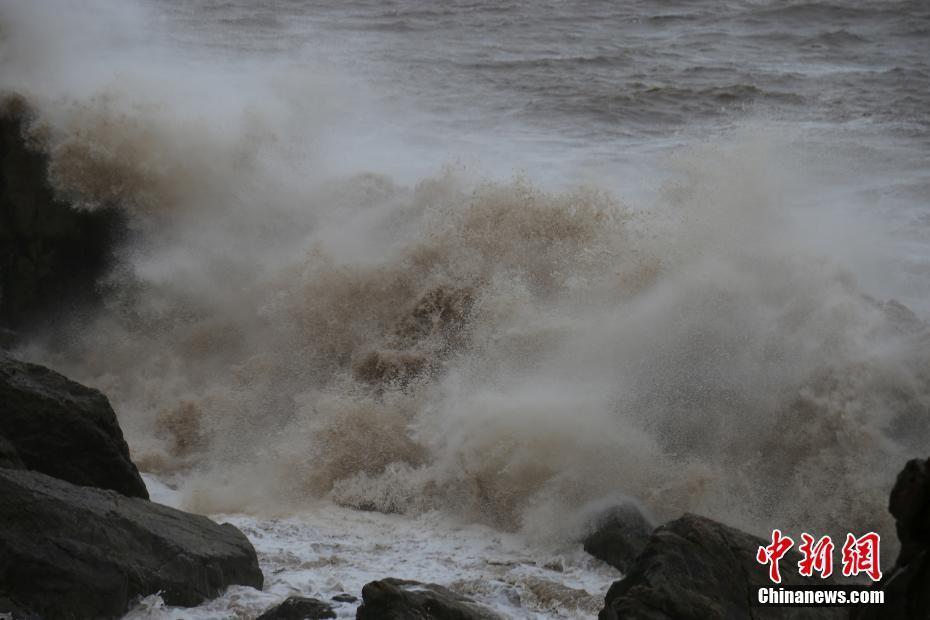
(413, 288)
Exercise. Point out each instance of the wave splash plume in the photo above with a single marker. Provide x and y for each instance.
(277, 333)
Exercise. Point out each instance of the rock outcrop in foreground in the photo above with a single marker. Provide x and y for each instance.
(61, 428)
(396, 599)
(695, 568)
(75, 552)
(78, 536)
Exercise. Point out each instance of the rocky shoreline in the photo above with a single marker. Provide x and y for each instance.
(79, 537)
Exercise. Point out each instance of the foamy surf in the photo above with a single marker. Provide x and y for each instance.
(326, 551)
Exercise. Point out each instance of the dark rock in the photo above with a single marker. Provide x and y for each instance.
(396, 599)
(299, 608)
(10, 611)
(618, 535)
(8, 338)
(51, 255)
(907, 585)
(909, 504)
(694, 568)
(907, 593)
(63, 429)
(69, 552)
(345, 598)
(9, 458)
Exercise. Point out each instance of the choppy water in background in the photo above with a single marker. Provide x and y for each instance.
(599, 76)
(477, 267)
(602, 71)
(576, 91)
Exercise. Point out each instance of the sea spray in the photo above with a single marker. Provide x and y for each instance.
(277, 334)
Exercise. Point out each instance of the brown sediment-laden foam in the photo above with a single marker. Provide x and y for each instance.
(274, 335)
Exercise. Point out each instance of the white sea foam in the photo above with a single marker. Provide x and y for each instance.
(324, 550)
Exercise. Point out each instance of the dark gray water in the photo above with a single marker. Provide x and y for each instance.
(597, 70)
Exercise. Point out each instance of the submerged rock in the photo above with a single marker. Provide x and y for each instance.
(695, 568)
(58, 427)
(51, 254)
(396, 599)
(75, 552)
(345, 598)
(618, 534)
(299, 608)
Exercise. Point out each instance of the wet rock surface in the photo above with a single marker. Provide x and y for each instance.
(53, 425)
(75, 552)
(396, 599)
(345, 598)
(694, 568)
(299, 608)
(618, 534)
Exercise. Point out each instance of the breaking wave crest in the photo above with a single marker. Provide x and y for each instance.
(275, 334)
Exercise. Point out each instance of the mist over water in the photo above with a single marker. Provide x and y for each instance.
(708, 296)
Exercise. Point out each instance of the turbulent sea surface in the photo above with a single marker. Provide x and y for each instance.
(413, 288)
